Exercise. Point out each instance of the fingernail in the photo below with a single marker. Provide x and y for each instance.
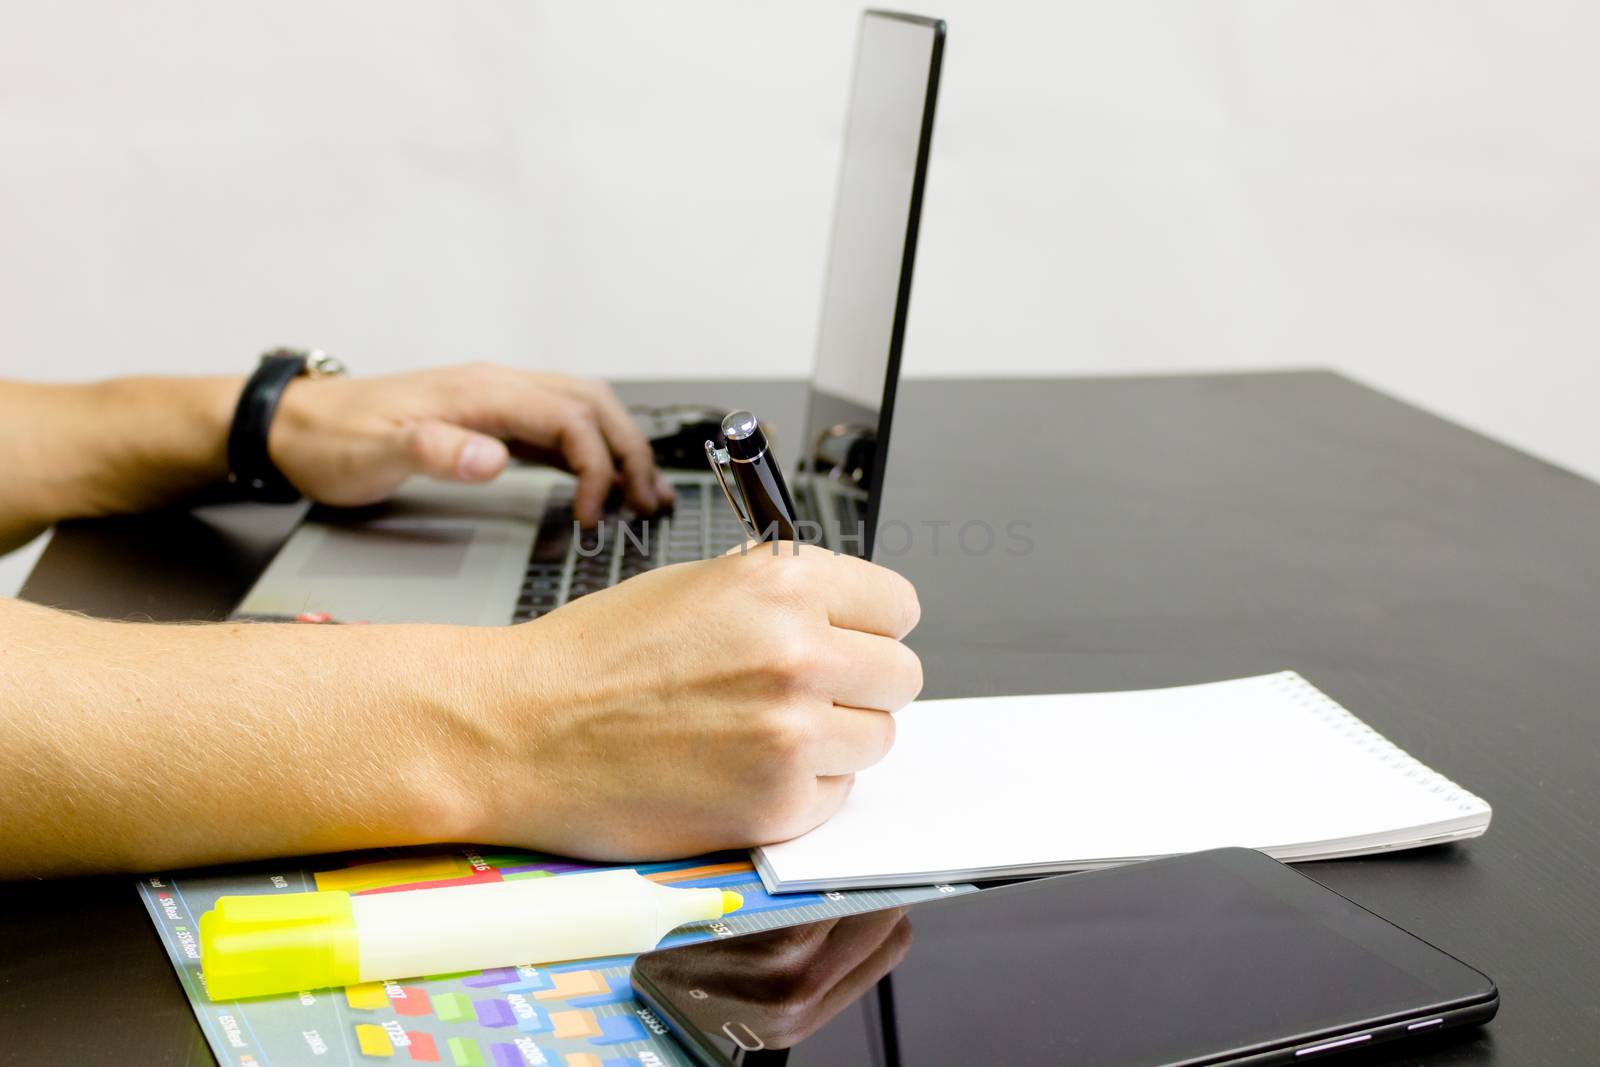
(664, 489)
(480, 458)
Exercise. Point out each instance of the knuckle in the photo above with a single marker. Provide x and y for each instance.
(784, 577)
(579, 433)
(420, 441)
(783, 734)
(793, 661)
(413, 441)
(470, 382)
(813, 559)
(572, 414)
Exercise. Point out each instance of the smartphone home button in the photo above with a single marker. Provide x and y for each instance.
(743, 1036)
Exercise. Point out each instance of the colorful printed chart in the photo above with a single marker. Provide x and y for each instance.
(580, 1014)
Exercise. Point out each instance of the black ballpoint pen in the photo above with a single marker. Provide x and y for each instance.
(768, 513)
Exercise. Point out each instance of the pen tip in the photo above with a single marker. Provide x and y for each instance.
(731, 901)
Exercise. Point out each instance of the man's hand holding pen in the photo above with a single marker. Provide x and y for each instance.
(737, 715)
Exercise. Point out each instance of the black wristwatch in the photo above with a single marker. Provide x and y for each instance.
(250, 468)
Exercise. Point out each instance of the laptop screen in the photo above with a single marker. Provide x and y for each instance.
(868, 285)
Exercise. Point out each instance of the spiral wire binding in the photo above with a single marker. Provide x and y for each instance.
(1345, 724)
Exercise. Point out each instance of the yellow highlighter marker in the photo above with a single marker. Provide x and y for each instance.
(252, 946)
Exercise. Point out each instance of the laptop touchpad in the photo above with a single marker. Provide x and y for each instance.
(388, 547)
(437, 552)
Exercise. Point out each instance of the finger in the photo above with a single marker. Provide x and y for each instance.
(557, 421)
(831, 793)
(626, 441)
(828, 794)
(588, 459)
(449, 452)
(867, 670)
(526, 410)
(850, 739)
(864, 596)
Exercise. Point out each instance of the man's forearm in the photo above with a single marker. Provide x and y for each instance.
(135, 747)
(107, 448)
(615, 728)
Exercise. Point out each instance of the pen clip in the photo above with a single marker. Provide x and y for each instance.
(718, 458)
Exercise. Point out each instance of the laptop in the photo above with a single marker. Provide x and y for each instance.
(509, 551)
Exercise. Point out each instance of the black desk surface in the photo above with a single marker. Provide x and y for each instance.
(1443, 587)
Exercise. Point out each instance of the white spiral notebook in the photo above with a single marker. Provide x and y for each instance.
(1002, 787)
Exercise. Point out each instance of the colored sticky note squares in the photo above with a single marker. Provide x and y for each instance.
(464, 1052)
(569, 984)
(374, 1040)
(528, 980)
(368, 996)
(504, 1055)
(453, 1007)
(620, 1061)
(575, 1024)
(423, 1048)
(582, 1059)
(510, 858)
(494, 1013)
(493, 976)
(615, 1029)
(410, 1000)
(530, 1020)
(619, 991)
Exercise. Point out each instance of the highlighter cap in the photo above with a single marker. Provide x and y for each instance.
(252, 946)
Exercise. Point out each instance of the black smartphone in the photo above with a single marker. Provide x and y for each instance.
(1219, 957)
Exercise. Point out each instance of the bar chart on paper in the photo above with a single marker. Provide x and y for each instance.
(578, 1014)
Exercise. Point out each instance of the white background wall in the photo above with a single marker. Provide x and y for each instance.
(1407, 191)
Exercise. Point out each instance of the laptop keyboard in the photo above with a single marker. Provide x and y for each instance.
(567, 564)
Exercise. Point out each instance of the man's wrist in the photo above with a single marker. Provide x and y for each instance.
(154, 441)
(455, 687)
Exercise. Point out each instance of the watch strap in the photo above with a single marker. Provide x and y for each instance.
(250, 466)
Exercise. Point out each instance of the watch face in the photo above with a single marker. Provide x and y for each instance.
(321, 365)
(314, 362)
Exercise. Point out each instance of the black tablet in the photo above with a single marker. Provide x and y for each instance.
(1221, 957)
